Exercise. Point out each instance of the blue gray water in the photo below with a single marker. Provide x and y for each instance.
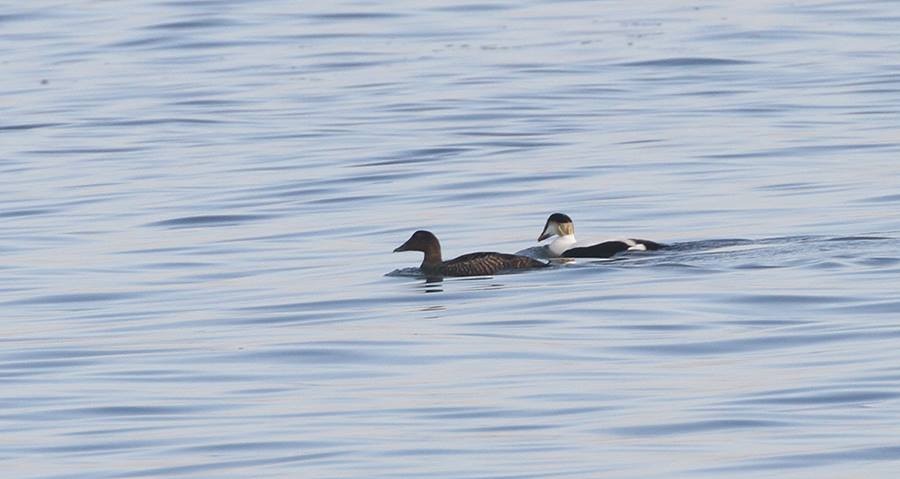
(199, 201)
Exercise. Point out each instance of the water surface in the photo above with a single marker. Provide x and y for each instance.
(199, 201)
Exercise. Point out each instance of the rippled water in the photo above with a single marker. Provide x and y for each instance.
(199, 202)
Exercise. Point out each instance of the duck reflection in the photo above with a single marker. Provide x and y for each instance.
(433, 284)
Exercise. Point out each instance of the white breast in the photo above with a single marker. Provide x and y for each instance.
(559, 246)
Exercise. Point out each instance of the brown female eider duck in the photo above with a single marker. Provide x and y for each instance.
(564, 245)
(472, 264)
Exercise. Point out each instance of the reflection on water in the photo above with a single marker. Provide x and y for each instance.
(433, 285)
(199, 200)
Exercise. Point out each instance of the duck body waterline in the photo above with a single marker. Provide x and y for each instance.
(472, 264)
(565, 245)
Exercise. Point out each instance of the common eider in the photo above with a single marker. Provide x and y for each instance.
(564, 245)
(472, 264)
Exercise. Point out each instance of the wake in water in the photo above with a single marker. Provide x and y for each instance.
(788, 251)
(411, 272)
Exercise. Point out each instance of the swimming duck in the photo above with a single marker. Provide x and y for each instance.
(564, 245)
(472, 264)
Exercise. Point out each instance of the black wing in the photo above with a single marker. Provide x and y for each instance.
(607, 249)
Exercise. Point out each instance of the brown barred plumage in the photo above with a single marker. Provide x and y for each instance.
(481, 264)
(472, 264)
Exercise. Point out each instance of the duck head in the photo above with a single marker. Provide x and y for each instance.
(426, 242)
(557, 224)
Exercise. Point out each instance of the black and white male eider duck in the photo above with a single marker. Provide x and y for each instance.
(565, 246)
(472, 264)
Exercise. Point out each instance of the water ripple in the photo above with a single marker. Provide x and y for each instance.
(208, 220)
(686, 62)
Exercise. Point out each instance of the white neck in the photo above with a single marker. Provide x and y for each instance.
(558, 246)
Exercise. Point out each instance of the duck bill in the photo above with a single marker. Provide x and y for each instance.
(403, 247)
(549, 230)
